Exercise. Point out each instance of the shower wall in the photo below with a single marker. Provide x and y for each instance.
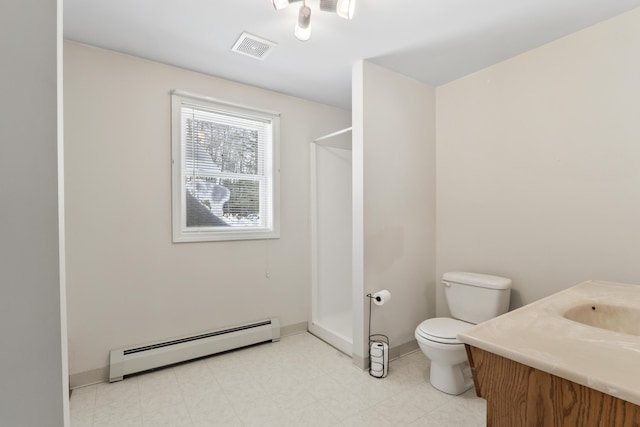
(332, 303)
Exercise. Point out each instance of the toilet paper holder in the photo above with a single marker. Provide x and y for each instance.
(378, 355)
(378, 350)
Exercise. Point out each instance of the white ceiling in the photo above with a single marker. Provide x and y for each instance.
(433, 41)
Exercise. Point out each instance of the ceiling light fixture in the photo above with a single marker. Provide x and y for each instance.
(281, 4)
(345, 8)
(342, 8)
(303, 26)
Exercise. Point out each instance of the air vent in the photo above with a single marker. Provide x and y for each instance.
(253, 46)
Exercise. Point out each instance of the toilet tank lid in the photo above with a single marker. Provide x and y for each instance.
(476, 279)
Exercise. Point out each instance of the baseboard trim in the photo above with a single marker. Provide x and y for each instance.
(404, 349)
(362, 363)
(294, 329)
(100, 375)
(87, 378)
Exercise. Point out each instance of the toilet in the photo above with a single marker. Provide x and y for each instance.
(472, 298)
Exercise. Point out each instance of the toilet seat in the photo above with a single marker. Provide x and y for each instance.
(442, 330)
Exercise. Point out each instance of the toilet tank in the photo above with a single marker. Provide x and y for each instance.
(474, 297)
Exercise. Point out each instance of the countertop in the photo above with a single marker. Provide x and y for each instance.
(539, 336)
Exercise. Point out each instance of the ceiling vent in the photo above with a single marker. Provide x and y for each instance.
(253, 46)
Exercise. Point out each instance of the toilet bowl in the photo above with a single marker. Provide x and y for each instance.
(471, 298)
(438, 340)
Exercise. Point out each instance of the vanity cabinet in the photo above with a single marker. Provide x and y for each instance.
(519, 395)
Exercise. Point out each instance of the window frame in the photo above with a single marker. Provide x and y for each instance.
(182, 233)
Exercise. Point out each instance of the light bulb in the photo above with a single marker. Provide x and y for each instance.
(280, 4)
(303, 26)
(345, 8)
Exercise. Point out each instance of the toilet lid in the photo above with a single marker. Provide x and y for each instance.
(442, 329)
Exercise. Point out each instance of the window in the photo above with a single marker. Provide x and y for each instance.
(225, 174)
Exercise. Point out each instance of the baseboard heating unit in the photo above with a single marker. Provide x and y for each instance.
(125, 361)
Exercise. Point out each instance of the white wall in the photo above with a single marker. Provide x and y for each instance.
(394, 199)
(334, 306)
(127, 283)
(538, 175)
(31, 355)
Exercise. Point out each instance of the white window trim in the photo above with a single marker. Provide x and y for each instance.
(204, 234)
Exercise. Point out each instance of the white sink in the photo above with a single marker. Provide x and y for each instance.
(588, 334)
(611, 317)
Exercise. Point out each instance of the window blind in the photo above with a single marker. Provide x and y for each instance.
(227, 168)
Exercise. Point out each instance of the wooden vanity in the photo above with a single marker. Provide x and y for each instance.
(536, 367)
(519, 395)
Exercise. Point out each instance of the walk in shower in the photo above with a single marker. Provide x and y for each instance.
(331, 227)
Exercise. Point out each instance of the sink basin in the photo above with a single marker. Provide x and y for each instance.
(611, 317)
(588, 334)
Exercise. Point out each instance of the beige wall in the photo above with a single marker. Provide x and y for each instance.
(127, 283)
(394, 181)
(537, 179)
(32, 356)
(538, 164)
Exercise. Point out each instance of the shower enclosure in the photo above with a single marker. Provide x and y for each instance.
(331, 225)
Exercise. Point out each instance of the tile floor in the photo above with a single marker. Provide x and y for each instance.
(299, 381)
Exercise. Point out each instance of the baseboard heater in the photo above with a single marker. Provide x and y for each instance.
(125, 361)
